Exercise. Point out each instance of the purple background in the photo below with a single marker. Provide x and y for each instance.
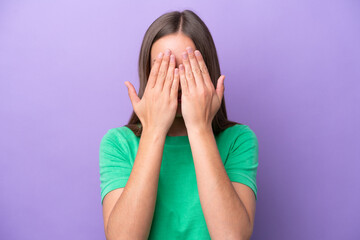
(292, 74)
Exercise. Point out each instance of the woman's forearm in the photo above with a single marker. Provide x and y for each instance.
(225, 214)
(133, 212)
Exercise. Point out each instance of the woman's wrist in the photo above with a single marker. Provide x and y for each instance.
(153, 133)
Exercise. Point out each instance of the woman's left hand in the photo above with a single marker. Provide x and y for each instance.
(200, 101)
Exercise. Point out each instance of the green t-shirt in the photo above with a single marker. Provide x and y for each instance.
(178, 213)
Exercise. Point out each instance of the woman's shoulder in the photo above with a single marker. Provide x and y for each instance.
(119, 134)
(238, 130)
(237, 134)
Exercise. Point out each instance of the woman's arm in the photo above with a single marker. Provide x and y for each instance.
(133, 212)
(227, 216)
(132, 215)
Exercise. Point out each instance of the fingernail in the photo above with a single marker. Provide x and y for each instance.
(184, 55)
(167, 52)
(160, 55)
(189, 49)
(176, 71)
(197, 53)
(172, 58)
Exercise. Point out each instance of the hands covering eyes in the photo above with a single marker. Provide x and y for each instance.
(200, 101)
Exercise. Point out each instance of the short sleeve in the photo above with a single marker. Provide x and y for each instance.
(114, 163)
(242, 161)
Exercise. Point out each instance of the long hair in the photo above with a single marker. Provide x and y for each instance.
(190, 24)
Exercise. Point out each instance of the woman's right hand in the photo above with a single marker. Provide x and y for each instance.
(157, 108)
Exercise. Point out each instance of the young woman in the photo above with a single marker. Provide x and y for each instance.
(179, 169)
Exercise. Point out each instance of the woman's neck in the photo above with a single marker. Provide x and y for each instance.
(178, 127)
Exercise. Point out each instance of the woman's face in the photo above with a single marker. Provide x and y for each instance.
(177, 43)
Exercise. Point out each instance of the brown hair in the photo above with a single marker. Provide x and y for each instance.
(190, 24)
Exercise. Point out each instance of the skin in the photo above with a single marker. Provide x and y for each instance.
(228, 207)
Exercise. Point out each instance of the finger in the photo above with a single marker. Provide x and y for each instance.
(188, 73)
(195, 68)
(154, 71)
(169, 75)
(163, 70)
(183, 81)
(175, 84)
(204, 70)
(220, 88)
(134, 98)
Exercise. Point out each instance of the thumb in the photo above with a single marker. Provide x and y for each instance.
(220, 88)
(132, 93)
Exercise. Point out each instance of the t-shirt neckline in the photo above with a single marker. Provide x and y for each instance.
(172, 140)
(177, 140)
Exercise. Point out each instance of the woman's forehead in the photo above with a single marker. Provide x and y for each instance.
(176, 43)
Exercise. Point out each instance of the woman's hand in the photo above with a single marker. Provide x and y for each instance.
(199, 100)
(157, 108)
